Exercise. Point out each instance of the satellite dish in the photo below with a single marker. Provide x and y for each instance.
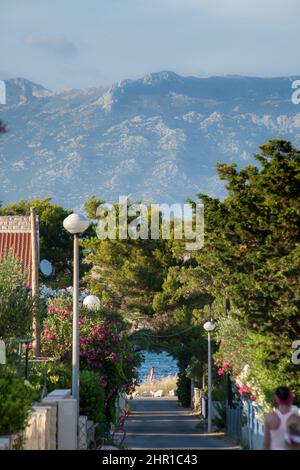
(46, 267)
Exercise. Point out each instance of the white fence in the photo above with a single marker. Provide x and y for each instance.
(243, 423)
(252, 431)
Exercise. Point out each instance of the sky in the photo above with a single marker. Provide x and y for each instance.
(83, 43)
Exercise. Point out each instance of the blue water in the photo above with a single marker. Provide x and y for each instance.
(163, 364)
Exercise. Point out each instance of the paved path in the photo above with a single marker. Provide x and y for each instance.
(160, 423)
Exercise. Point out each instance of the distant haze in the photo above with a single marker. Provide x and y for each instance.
(75, 43)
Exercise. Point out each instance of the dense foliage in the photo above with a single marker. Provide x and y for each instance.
(92, 399)
(15, 300)
(250, 264)
(184, 389)
(128, 272)
(15, 402)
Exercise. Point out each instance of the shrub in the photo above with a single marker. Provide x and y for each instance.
(220, 420)
(92, 399)
(184, 389)
(105, 350)
(15, 401)
(15, 300)
(104, 345)
(219, 388)
(46, 377)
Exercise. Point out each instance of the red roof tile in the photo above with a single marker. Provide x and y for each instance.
(19, 244)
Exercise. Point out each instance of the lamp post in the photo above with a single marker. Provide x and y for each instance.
(209, 326)
(75, 224)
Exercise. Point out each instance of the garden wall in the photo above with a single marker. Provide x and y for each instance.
(51, 426)
(40, 433)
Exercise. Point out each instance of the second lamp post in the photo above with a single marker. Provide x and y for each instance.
(209, 326)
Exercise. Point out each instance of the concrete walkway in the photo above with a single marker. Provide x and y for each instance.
(160, 423)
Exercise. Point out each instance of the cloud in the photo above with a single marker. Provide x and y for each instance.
(57, 45)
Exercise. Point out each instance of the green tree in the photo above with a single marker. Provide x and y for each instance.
(251, 256)
(126, 273)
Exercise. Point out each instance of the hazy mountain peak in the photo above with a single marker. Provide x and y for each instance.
(122, 92)
(19, 90)
(157, 77)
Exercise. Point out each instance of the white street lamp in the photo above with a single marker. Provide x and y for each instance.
(76, 224)
(91, 302)
(209, 326)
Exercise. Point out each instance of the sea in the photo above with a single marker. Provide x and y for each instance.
(163, 364)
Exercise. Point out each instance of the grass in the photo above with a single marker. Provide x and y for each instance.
(164, 383)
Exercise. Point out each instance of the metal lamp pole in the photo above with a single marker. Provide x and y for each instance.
(75, 224)
(75, 342)
(209, 326)
(209, 384)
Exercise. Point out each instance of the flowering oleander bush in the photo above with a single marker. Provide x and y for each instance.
(104, 347)
(224, 367)
(246, 356)
(245, 393)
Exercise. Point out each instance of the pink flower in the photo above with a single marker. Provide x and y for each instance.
(226, 365)
(252, 397)
(244, 389)
(222, 341)
(221, 371)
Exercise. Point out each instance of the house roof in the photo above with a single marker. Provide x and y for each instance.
(15, 237)
(15, 223)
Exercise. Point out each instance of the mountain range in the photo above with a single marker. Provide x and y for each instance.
(157, 138)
